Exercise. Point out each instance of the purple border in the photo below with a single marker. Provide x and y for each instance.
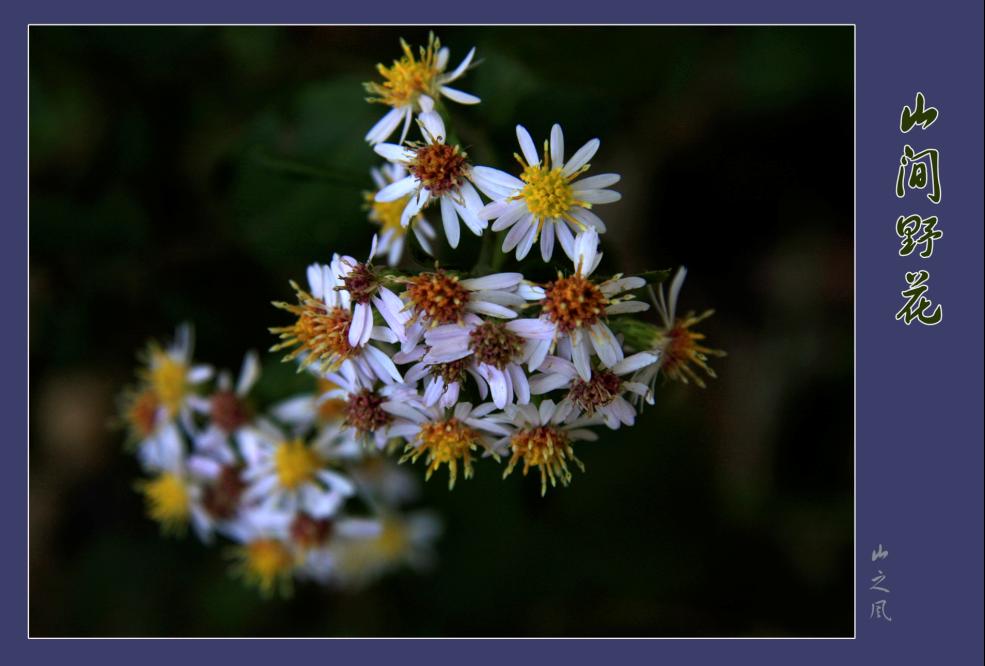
(919, 389)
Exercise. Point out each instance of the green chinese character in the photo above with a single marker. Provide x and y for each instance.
(919, 163)
(907, 228)
(917, 115)
(917, 304)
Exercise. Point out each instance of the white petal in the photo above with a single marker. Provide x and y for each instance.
(527, 146)
(581, 157)
(532, 329)
(634, 363)
(357, 325)
(523, 248)
(606, 345)
(384, 126)
(433, 126)
(598, 196)
(494, 281)
(557, 146)
(397, 190)
(586, 249)
(459, 96)
(449, 218)
(627, 307)
(248, 374)
(547, 240)
(596, 182)
(462, 66)
(491, 309)
(580, 357)
(494, 183)
(567, 240)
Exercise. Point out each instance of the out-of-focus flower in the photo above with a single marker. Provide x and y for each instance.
(387, 214)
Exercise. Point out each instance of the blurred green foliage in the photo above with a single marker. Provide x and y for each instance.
(188, 173)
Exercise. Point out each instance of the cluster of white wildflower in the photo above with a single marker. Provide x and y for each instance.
(299, 496)
(436, 366)
(451, 366)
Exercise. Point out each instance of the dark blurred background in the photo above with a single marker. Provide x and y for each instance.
(159, 193)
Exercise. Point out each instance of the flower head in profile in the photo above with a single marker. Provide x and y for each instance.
(576, 307)
(333, 325)
(387, 214)
(413, 84)
(682, 350)
(437, 171)
(548, 200)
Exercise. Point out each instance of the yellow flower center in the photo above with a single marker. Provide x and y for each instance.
(295, 463)
(445, 442)
(548, 192)
(407, 78)
(266, 562)
(168, 377)
(546, 448)
(167, 501)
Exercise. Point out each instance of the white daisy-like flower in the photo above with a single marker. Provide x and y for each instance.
(387, 214)
(602, 394)
(404, 540)
(287, 474)
(547, 200)
(366, 291)
(492, 351)
(265, 558)
(576, 307)
(227, 410)
(173, 378)
(311, 541)
(436, 172)
(413, 84)
(445, 437)
(174, 498)
(363, 404)
(542, 437)
(333, 327)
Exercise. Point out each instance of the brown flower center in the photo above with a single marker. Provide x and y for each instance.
(438, 296)
(221, 498)
(494, 344)
(440, 168)
(229, 413)
(361, 283)
(320, 333)
(308, 531)
(597, 392)
(573, 302)
(364, 412)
